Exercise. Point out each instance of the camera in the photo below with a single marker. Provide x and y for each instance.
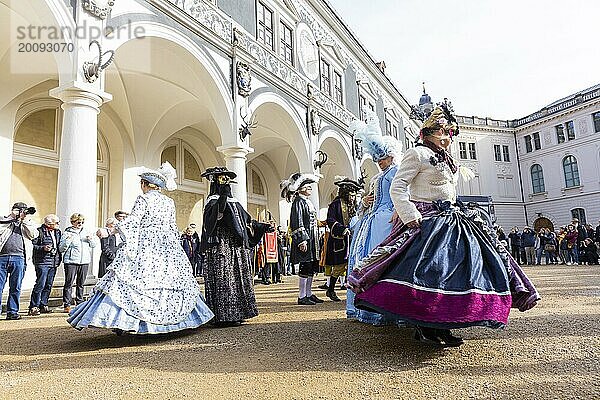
(28, 210)
(53, 251)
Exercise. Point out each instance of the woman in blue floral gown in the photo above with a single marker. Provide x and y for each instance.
(149, 288)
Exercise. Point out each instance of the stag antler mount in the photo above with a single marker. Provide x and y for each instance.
(92, 70)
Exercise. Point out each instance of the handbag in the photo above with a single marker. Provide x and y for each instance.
(549, 247)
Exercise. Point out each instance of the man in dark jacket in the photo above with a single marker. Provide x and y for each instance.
(108, 244)
(528, 243)
(46, 258)
(515, 244)
(305, 239)
(339, 213)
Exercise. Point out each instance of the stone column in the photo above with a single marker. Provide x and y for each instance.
(314, 196)
(235, 160)
(6, 158)
(77, 167)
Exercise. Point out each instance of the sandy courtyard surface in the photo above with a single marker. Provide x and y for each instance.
(313, 352)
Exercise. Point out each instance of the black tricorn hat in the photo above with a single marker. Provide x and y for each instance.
(210, 173)
(349, 184)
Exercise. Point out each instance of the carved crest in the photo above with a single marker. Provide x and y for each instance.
(315, 121)
(98, 8)
(244, 80)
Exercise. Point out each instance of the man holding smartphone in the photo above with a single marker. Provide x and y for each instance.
(46, 259)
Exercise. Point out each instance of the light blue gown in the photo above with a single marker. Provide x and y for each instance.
(149, 288)
(368, 231)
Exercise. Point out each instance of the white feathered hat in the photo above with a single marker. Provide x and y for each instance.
(371, 139)
(291, 185)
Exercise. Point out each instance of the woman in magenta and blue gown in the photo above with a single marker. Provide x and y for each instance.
(442, 266)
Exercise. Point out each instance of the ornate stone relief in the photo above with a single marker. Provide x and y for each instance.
(98, 8)
(503, 169)
(243, 78)
(473, 166)
(582, 126)
(208, 16)
(315, 121)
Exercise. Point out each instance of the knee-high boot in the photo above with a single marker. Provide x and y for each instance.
(331, 289)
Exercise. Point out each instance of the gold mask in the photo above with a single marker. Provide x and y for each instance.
(223, 179)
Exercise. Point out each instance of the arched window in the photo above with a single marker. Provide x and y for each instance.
(571, 171)
(38, 129)
(579, 213)
(257, 185)
(537, 179)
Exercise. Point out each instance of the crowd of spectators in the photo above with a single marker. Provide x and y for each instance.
(572, 244)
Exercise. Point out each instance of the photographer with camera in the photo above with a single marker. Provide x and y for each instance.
(46, 259)
(14, 252)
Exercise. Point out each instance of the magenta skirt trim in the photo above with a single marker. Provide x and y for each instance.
(433, 308)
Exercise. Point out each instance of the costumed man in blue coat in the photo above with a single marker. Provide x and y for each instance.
(304, 233)
(340, 212)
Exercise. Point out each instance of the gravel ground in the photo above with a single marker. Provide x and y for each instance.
(312, 352)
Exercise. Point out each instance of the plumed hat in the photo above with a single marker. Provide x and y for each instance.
(212, 173)
(163, 177)
(291, 185)
(371, 139)
(346, 183)
(441, 117)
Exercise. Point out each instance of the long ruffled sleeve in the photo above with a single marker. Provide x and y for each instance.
(408, 169)
(129, 228)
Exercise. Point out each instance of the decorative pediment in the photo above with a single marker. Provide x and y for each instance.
(366, 87)
(334, 52)
(291, 8)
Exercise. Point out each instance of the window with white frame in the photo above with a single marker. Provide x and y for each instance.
(596, 118)
(570, 130)
(560, 134)
(472, 152)
(265, 26)
(497, 153)
(571, 171)
(362, 106)
(325, 77)
(537, 179)
(505, 153)
(579, 213)
(528, 145)
(537, 143)
(286, 42)
(366, 101)
(338, 91)
(462, 150)
(395, 131)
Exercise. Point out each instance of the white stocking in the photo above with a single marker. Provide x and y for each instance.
(309, 286)
(302, 287)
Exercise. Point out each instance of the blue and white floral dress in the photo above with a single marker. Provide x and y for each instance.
(149, 287)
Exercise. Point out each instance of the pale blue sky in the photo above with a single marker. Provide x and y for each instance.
(493, 58)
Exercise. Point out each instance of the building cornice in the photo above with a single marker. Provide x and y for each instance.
(579, 99)
(557, 115)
